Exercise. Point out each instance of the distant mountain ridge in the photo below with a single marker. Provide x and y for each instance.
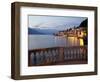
(45, 31)
(33, 31)
(41, 31)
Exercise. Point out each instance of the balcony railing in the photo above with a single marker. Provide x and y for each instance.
(49, 56)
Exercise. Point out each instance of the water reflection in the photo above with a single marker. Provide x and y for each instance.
(45, 41)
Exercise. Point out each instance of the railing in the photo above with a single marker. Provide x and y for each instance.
(48, 56)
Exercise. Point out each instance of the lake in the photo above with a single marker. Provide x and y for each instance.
(47, 41)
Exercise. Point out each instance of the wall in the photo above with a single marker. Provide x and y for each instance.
(5, 40)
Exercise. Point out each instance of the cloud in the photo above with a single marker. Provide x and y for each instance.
(54, 22)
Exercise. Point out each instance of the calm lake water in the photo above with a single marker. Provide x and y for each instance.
(47, 41)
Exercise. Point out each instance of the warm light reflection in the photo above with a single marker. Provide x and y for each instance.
(73, 40)
(76, 41)
(81, 42)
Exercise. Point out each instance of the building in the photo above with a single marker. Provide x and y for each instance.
(79, 32)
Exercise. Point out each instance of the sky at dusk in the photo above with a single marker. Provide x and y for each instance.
(54, 22)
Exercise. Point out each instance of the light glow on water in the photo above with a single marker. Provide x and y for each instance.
(74, 41)
(48, 41)
(81, 42)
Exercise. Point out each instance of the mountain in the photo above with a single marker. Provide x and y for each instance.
(41, 31)
(33, 31)
(84, 23)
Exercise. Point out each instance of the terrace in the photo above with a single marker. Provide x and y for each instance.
(57, 55)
